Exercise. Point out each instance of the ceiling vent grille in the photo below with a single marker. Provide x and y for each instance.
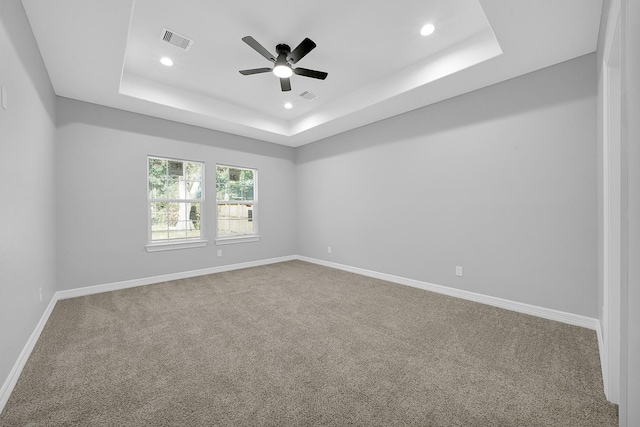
(308, 95)
(176, 39)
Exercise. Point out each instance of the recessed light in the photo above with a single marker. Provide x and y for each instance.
(166, 61)
(288, 105)
(427, 29)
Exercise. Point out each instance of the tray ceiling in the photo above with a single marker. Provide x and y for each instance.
(108, 52)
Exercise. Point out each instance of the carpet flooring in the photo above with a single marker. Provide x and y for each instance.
(297, 344)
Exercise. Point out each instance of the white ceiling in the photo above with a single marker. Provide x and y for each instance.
(107, 52)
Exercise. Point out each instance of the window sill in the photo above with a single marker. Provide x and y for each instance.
(170, 246)
(237, 239)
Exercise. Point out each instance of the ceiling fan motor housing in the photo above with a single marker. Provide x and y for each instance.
(282, 68)
(283, 62)
(283, 48)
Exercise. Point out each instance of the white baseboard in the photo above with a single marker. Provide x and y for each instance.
(546, 313)
(96, 289)
(603, 360)
(12, 379)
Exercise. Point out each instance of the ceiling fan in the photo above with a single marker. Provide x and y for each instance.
(283, 61)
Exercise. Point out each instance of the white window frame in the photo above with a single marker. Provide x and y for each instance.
(173, 244)
(241, 238)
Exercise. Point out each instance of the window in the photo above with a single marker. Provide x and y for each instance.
(176, 204)
(236, 200)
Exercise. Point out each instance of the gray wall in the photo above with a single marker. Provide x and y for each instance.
(101, 200)
(501, 181)
(27, 190)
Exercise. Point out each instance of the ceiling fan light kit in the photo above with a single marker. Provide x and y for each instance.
(282, 71)
(283, 61)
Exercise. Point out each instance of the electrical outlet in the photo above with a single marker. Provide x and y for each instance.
(329, 249)
(219, 252)
(458, 271)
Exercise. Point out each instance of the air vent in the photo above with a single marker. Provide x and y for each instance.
(176, 39)
(308, 95)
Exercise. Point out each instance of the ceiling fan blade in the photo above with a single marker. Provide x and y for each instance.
(259, 48)
(306, 46)
(285, 84)
(255, 71)
(310, 73)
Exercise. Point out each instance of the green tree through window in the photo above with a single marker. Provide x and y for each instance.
(236, 201)
(175, 196)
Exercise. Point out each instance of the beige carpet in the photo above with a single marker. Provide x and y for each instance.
(296, 344)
